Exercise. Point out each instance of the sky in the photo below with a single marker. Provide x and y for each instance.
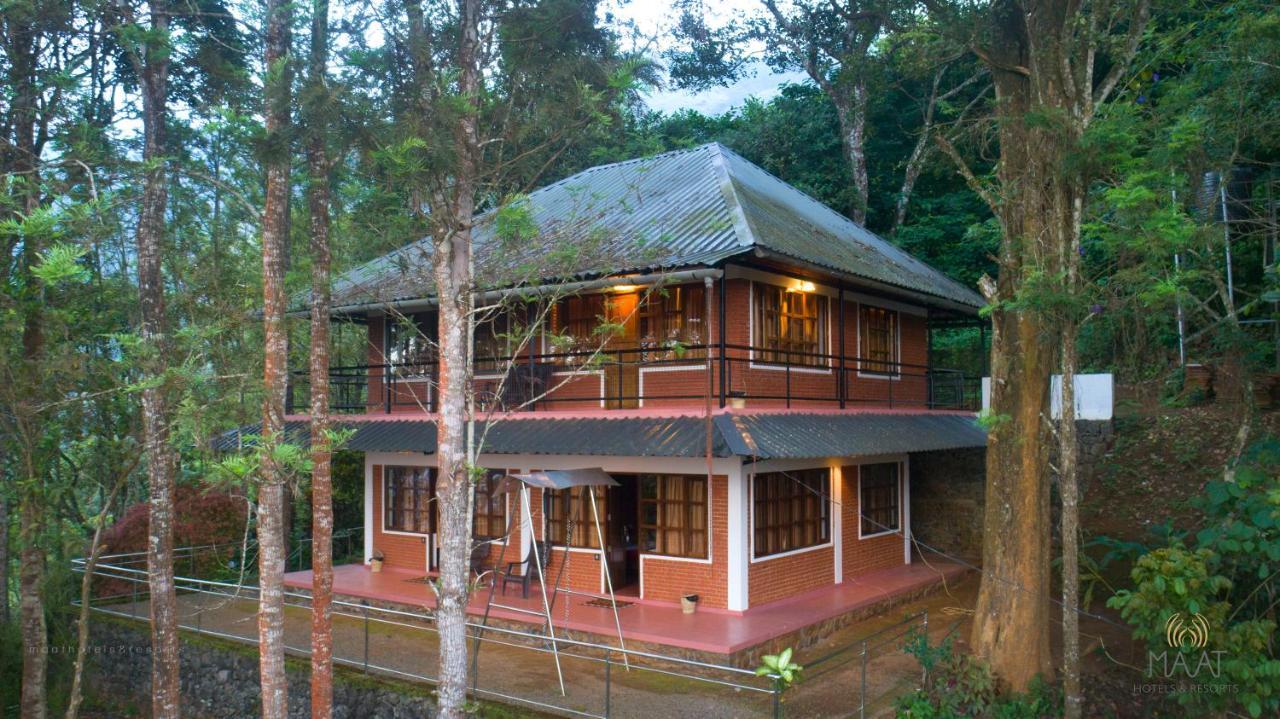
(656, 17)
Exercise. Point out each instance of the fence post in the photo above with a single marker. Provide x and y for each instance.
(862, 693)
(608, 682)
(924, 673)
(366, 635)
(133, 606)
(777, 702)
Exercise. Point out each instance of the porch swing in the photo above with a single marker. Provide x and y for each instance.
(550, 480)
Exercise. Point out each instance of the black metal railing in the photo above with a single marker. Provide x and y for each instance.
(645, 376)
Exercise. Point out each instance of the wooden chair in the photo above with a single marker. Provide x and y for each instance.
(528, 569)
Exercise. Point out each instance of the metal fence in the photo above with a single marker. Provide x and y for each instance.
(860, 677)
(515, 666)
(600, 680)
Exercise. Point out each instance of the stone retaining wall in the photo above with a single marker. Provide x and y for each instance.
(948, 488)
(220, 680)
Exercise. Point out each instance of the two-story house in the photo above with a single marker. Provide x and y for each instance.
(758, 389)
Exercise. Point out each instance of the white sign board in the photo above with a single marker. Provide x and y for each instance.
(1095, 396)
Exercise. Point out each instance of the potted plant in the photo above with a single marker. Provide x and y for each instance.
(375, 562)
(689, 603)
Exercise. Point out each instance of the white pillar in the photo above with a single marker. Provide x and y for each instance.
(837, 521)
(906, 509)
(739, 524)
(368, 508)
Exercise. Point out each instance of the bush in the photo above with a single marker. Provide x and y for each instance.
(958, 686)
(200, 518)
(1223, 579)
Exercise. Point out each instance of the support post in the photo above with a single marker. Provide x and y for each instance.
(608, 682)
(608, 579)
(840, 385)
(862, 692)
(721, 327)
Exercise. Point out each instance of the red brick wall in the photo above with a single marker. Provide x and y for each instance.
(863, 555)
(668, 580)
(808, 387)
(772, 579)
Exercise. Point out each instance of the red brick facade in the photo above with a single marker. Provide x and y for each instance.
(682, 384)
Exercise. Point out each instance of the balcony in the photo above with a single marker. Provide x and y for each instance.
(726, 375)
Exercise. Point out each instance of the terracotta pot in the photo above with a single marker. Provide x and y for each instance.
(689, 603)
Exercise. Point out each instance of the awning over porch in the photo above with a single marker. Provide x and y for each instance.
(758, 434)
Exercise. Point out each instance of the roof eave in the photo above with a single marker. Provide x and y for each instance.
(925, 298)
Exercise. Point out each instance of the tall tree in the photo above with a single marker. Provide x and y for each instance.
(1043, 56)
(832, 42)
(272, 483)
(149, 51)
(27, 32)
(317, 108)
(453, 209)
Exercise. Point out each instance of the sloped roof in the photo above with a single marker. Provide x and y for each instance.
(759, 434)
(686, 208)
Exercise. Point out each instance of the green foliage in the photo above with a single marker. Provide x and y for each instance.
(780, 669)
(61, 263)
(958, 686)
(1226, 573)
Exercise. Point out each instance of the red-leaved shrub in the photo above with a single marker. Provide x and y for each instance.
(200, 518)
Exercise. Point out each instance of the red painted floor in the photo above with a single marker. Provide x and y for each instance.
(707, 630)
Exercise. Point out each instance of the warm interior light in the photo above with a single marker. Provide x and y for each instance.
(625, 288)
(803, 286)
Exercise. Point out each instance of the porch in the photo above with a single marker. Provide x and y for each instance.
(709, 634)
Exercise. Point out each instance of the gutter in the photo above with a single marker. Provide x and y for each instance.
(411, 305)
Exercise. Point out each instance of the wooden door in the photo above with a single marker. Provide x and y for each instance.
(622, 367)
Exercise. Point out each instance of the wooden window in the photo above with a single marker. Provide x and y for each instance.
(672, 320)
(673, 515)
(411, 344)
(577, 319)
(791, 327)
(879, 340)
(490, 520)
(569, 511)
(791, 510)
(878, 494)
(408, 499)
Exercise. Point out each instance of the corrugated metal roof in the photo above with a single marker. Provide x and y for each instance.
(678, 209)
(805, 436)
(762, 435)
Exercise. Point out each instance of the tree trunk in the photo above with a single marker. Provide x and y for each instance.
(1069, 488)
(271, 493)
(35, 637)
(153, 71)
(5, 616)
(852, 114)
(1011, 618)
(21, 45)
(452, 271)
(86, 594)
(1042, 62)
(321, 453)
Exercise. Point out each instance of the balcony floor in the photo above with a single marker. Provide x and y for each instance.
(660, 623)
